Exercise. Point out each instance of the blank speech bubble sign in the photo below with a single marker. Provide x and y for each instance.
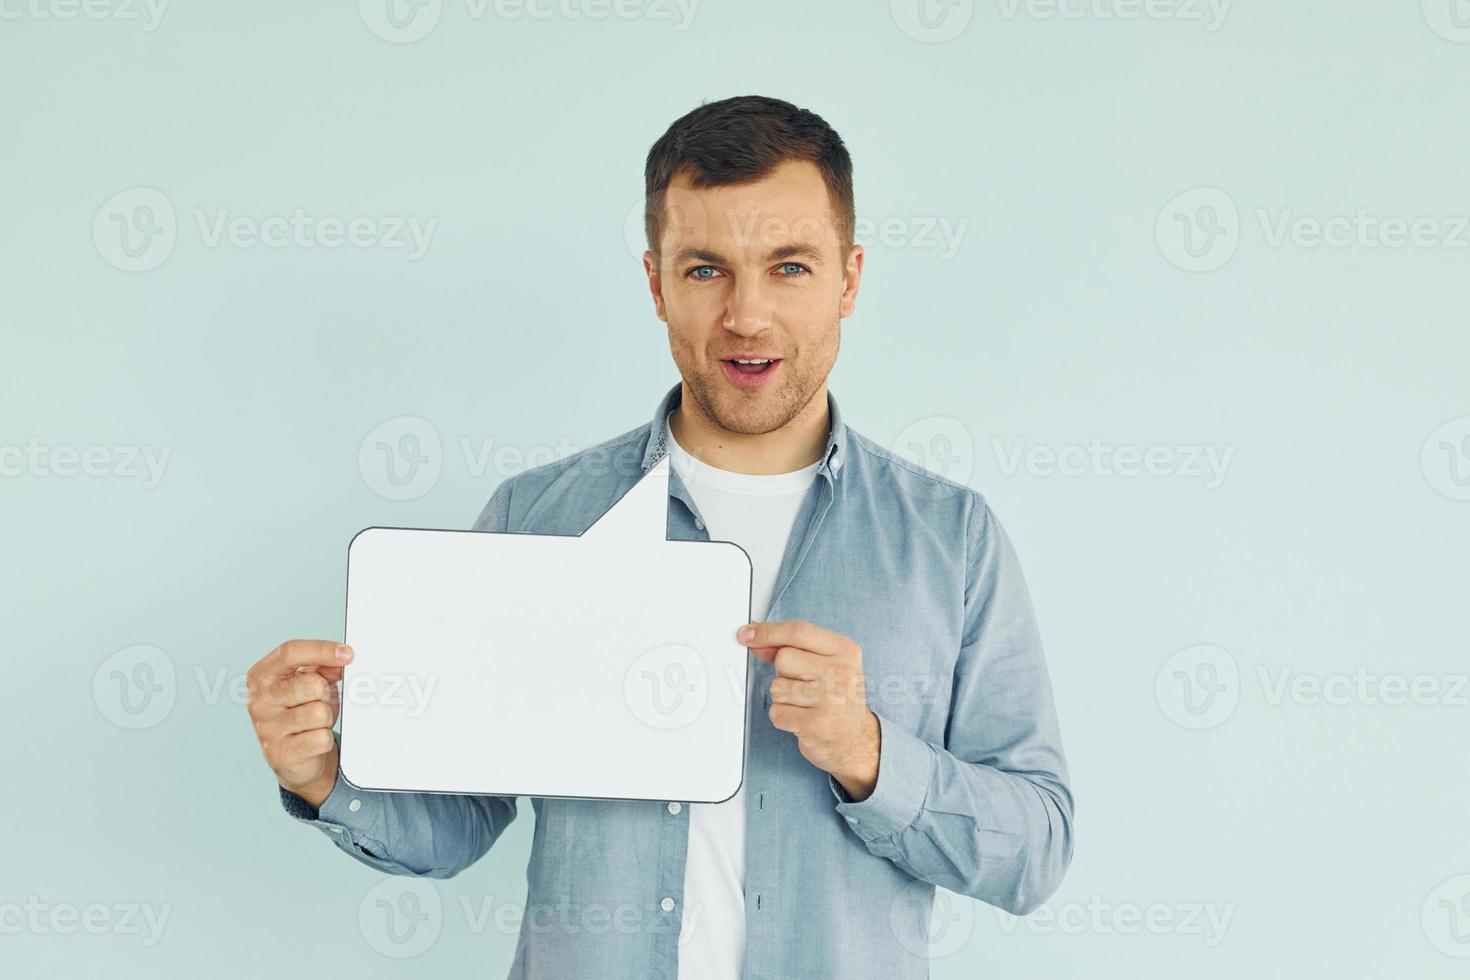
(599, 665)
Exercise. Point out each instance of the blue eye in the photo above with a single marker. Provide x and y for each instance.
(702, 268)
(793, 268)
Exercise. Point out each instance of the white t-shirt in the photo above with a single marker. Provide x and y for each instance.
(757, 513)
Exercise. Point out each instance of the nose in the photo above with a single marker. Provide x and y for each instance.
(749, 308)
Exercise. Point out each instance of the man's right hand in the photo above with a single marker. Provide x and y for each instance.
(294, 703)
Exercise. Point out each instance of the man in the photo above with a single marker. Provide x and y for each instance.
(902, 733)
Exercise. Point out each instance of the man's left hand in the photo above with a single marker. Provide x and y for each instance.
(818, 696)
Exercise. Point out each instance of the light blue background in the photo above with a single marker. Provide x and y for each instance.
(1327, 833)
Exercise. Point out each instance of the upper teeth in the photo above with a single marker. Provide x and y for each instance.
(764, 360)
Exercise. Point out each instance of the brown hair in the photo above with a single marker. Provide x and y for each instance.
(743, 139)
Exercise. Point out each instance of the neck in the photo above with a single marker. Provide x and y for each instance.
(798, 443)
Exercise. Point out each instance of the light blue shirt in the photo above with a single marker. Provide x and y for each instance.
(972, 790)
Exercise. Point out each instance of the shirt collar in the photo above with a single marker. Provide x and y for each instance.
(658, 448)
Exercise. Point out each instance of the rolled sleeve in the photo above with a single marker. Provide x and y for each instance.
(905, 765)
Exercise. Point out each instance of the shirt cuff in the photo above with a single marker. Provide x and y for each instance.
(296, 806)
(905, 764)
(346, 811)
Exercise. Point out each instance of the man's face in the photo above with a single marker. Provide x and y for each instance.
(754, 272)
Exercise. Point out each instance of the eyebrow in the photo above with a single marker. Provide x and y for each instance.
(777, 254)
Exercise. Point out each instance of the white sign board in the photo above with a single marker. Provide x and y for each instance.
(600, 665)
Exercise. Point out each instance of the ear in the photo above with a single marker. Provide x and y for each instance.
(655, 284)
(852, 274)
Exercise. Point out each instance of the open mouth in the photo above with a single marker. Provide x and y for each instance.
(749, 372)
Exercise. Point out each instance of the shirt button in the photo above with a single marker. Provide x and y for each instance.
(667, 905)
(699, 524)
(674, 808)
(354, 806)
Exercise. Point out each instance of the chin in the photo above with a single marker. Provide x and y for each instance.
(751, 413)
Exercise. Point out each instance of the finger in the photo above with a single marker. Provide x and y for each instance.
(789, 717)
(298, 748)
(286, 658)
(793, 633)
(802, 665)
(785, 690)
(302, 718)
(299, 689)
